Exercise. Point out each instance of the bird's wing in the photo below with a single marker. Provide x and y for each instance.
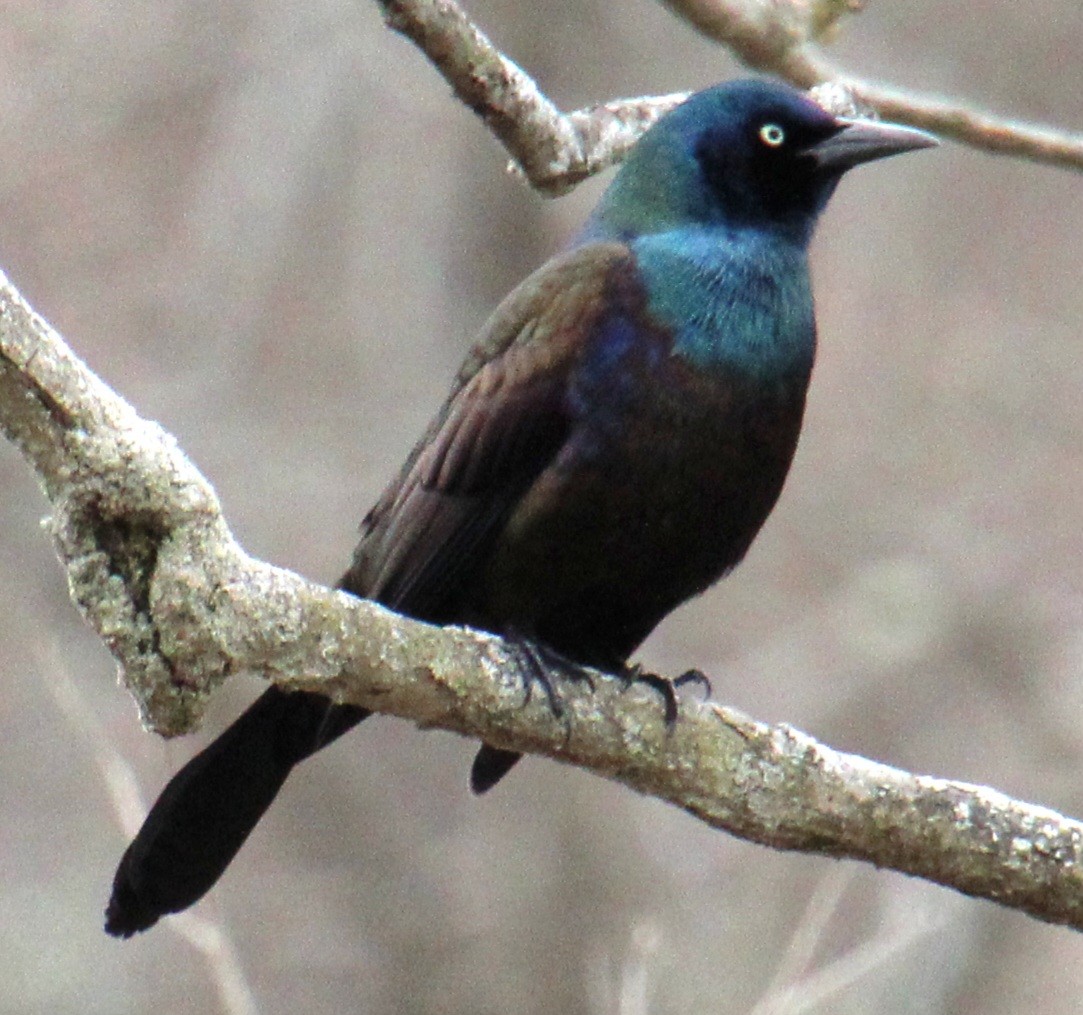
(504, 422)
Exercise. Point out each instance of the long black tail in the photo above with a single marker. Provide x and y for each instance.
(208, 808)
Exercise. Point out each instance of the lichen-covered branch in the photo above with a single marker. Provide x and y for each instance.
(555, 150)
(153, 567)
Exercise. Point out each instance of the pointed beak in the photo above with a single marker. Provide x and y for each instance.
(864, 140)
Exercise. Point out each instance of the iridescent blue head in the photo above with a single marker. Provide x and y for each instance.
(745, 154)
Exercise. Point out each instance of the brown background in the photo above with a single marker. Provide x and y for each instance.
(271, 228)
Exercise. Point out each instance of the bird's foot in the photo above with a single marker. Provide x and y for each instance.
(539, 664)
(667, 687)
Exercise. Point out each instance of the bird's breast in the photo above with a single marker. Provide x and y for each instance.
(684, 408)
(740, 302)
(666, 477)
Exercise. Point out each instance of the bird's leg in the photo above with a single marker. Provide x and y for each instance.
(665, 686)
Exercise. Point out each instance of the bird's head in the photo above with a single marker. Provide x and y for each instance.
(745, 154)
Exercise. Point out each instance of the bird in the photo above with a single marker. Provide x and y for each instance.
(609, 449)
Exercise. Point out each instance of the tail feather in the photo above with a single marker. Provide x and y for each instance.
(210, 806)
(491, 764)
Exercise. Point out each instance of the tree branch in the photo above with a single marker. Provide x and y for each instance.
(780, 38)
(554, 150)
(153, 567)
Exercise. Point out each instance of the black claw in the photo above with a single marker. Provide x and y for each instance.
(540, 664)
(666, 687)
(535, 668)
(697, 677)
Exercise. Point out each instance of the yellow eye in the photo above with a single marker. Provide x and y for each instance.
(772, 135)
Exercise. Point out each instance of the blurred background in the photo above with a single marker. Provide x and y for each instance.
(271, 228)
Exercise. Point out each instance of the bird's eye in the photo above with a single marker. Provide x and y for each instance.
(772, 135)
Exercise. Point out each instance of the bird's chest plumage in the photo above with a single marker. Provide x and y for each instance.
(686, 409)
(682, 465)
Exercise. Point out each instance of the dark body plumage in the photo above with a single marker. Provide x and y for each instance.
(610, 448)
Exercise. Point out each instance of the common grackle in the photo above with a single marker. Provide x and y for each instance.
(610, 448)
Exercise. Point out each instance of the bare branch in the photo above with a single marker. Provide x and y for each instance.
(554, 150)
(981, 130)
(156, 572)
(779, 38)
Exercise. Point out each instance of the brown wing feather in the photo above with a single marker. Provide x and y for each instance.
(505, 420)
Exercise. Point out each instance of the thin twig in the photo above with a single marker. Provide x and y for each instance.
(808, 990)
(780, 38)
(206, 936)
(822, 906)
(551, 149)
(554, 150)
(985, 131)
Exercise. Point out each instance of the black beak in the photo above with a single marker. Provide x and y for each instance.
(864, 140)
